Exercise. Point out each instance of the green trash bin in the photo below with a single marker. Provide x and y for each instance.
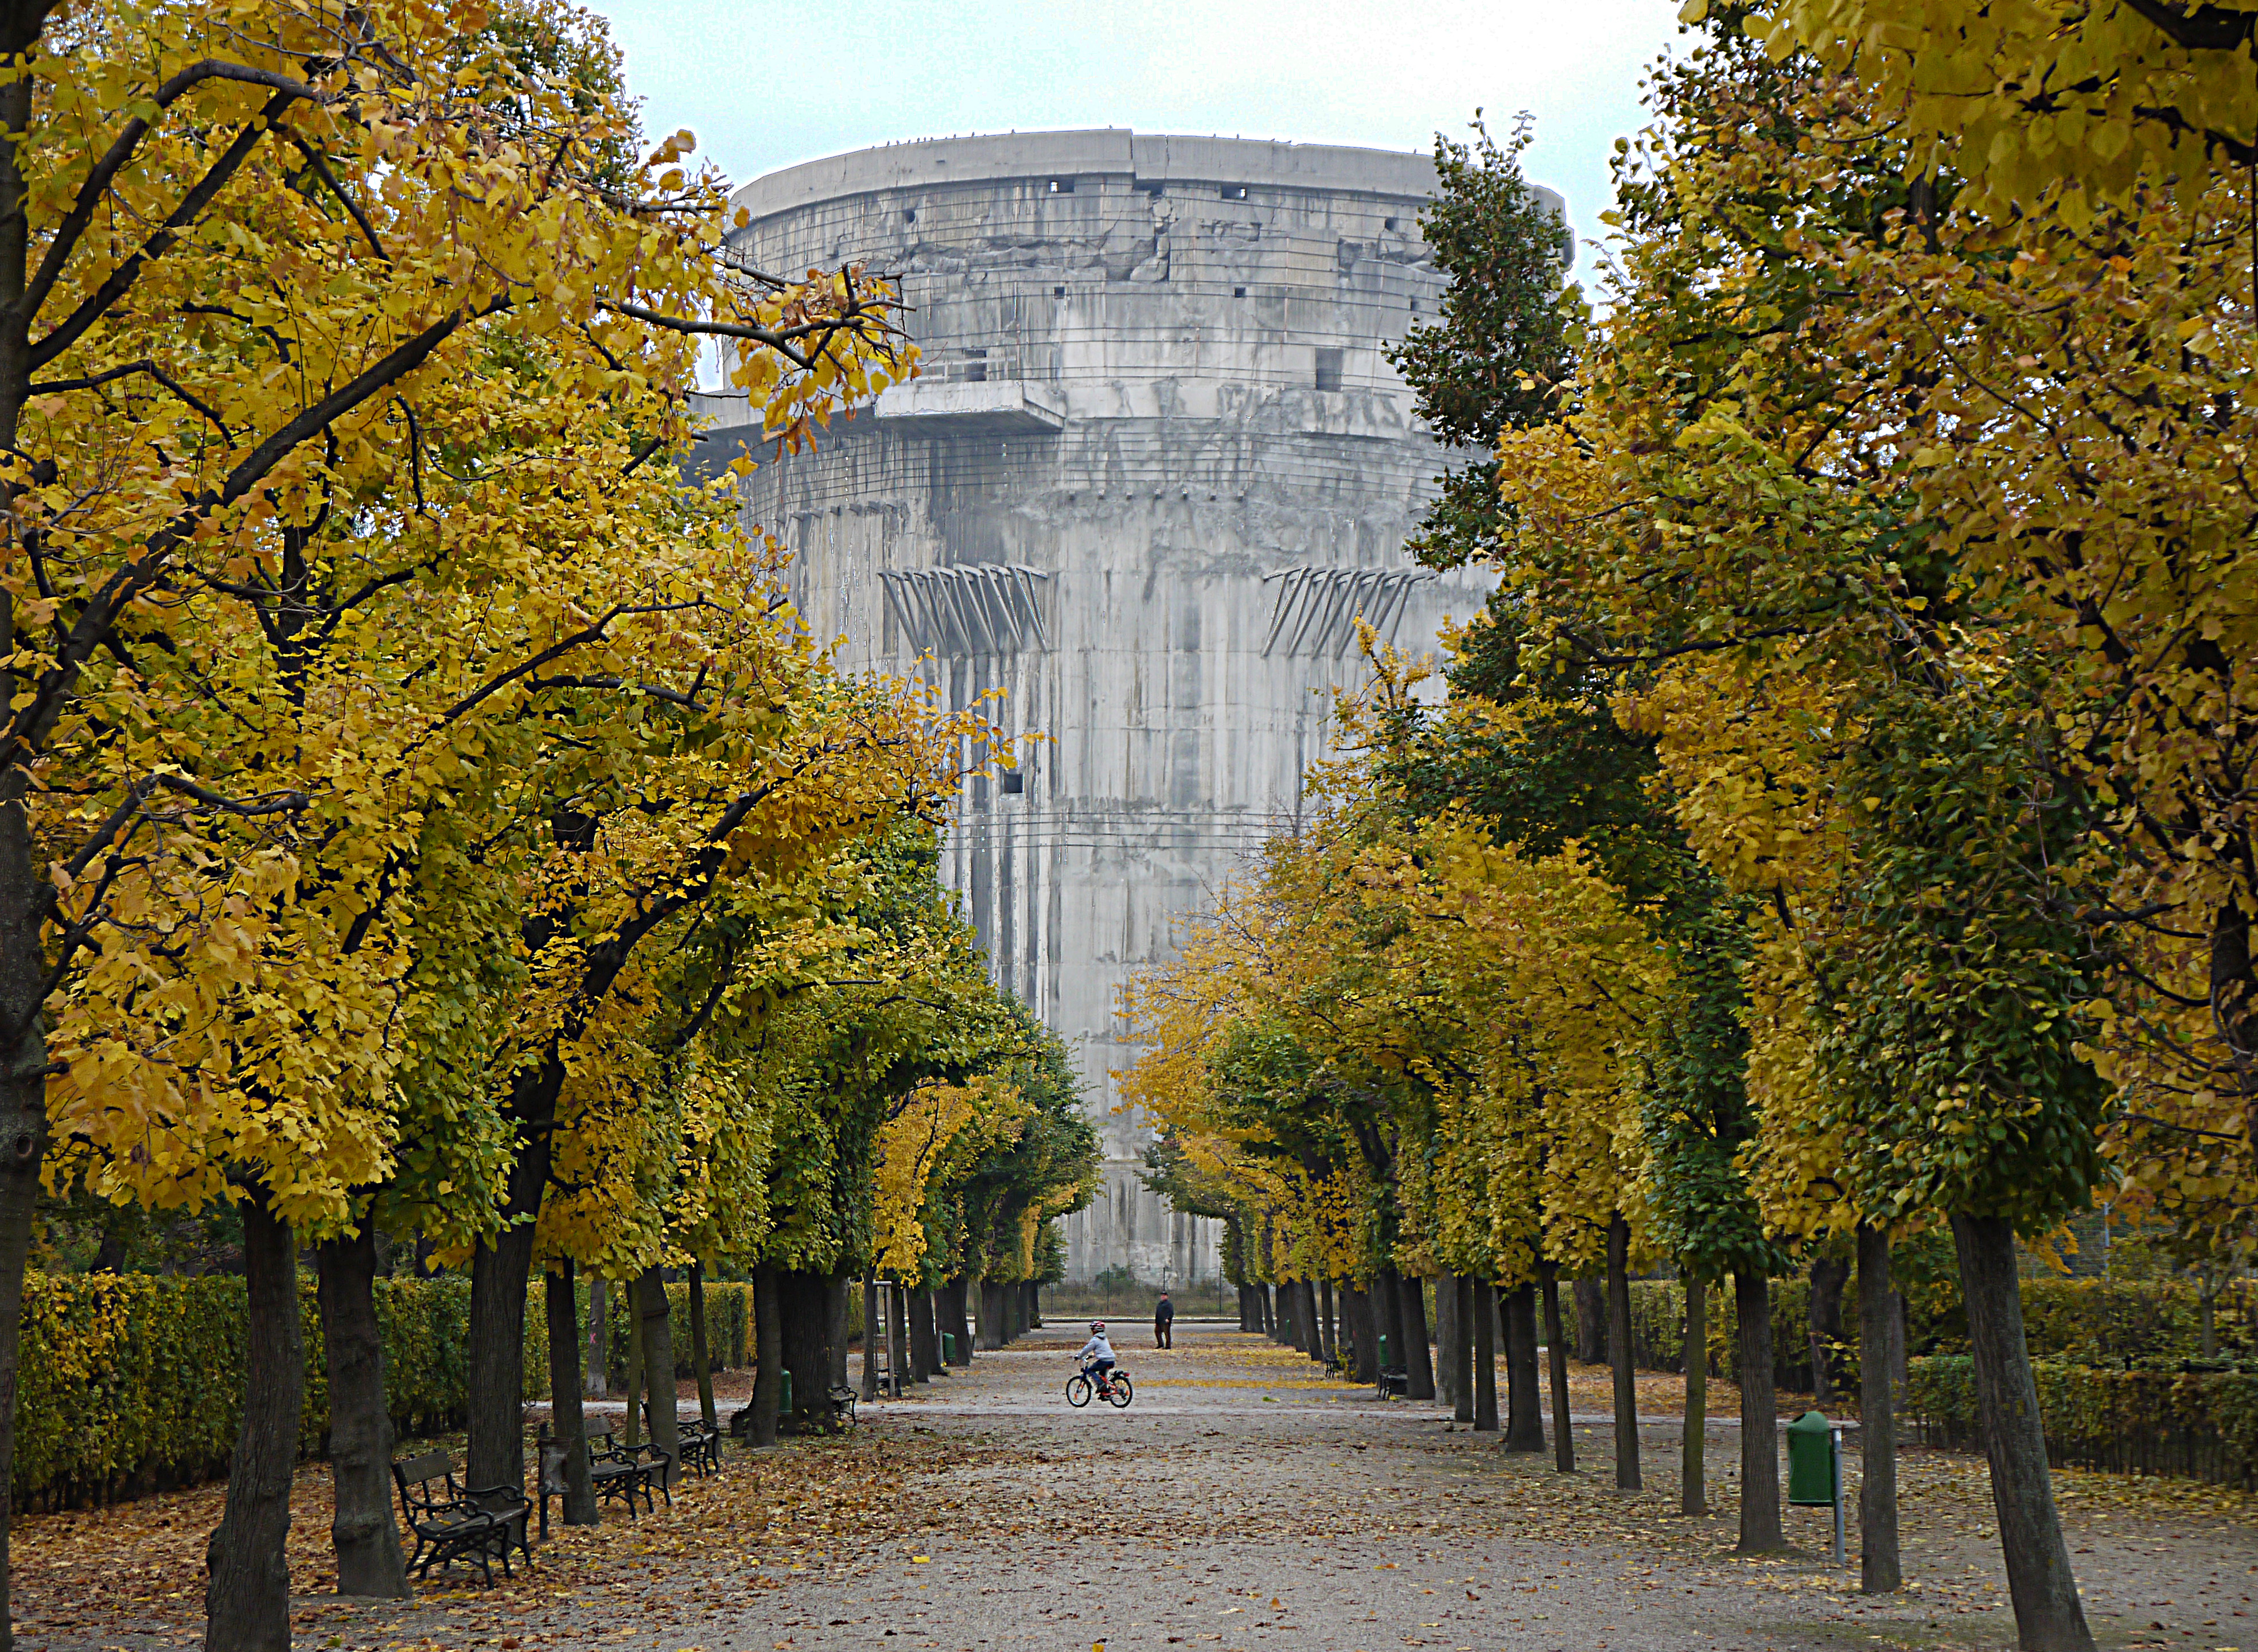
(1811, 1461)
(949, 1348)
(1814, 1468)
(783, 1405)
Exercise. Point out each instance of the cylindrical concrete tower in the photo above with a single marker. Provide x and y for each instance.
(1155, 468)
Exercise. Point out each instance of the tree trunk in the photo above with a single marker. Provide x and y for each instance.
(924, 1349)
(1419, 1367)
(1468, 1292)
(658, 1367)
(1879, 1570)
(1365, 1340)
(1327, 1334)
(870, 1333)
(1563, 1441)
(634, 1364)
(1524, 1409)
(1626, 1382)
(1388, 1318)
(1828, 1275)
(1310, 1305)
(800, 1305)
(834, 1334)
(599, 1379)
(991, 1313)
(700, 1355)
(1034, 1305)
(768, 1356)
(1485, 1373)
(1244, 1306)
(362, 1532)
(247, 1600)
(1270, 1312)
(2048, 1617)
(1447, 1347)
(1592, 1322)
(1760, 1532)
(897, 1341)
(1693, 1439)
(500, 1270)
(957, 1327)
(568, 1425)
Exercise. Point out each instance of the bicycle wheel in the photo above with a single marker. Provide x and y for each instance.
(1077, 1391)
(1122, 1392)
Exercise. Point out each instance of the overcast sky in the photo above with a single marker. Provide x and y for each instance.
(763, 86)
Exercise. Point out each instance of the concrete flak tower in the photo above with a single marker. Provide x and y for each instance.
(1155, 468)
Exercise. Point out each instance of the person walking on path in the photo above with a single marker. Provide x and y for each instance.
(1164, 1320)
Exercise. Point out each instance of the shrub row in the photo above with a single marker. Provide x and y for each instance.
(129, 1383)
(2077, 1320)
(2131, 1418)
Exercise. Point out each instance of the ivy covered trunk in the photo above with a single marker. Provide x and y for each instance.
(1418, 1358)
(362, 1531)
(1693, 1439)
(700, 1355)
(1626, 1382)
(1880, 1572)
(1484, 1360)
(1760, 1532)
(2049, 1616)
(568, 1423)
(658, 1366)
(1556, 1342)
(1524, 1411)
(501, 1267)
(768, 1356)
(247, 1600)
(1034, 1305)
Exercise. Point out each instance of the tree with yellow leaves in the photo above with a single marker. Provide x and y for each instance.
(253, 468)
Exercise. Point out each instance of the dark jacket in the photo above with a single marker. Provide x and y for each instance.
(1164, 1313)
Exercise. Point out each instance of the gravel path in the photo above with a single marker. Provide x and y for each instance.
(1242, 1502)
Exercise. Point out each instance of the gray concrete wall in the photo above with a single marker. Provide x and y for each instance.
(1156, 467)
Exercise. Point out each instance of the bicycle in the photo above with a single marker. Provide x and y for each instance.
(1082, 1386)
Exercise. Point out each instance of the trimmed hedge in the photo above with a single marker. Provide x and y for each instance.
(2079, 1320)
(2138, 1420)
(133, 1382)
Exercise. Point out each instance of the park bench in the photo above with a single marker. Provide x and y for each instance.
(1333, 1366)
(1394, 1382)
(621, 1471)
(699, 1441)
(450, 1522)
(843, 1406)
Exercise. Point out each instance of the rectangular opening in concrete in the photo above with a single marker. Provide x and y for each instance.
(1234, 192)
(1329, 369)
(1061, 186)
